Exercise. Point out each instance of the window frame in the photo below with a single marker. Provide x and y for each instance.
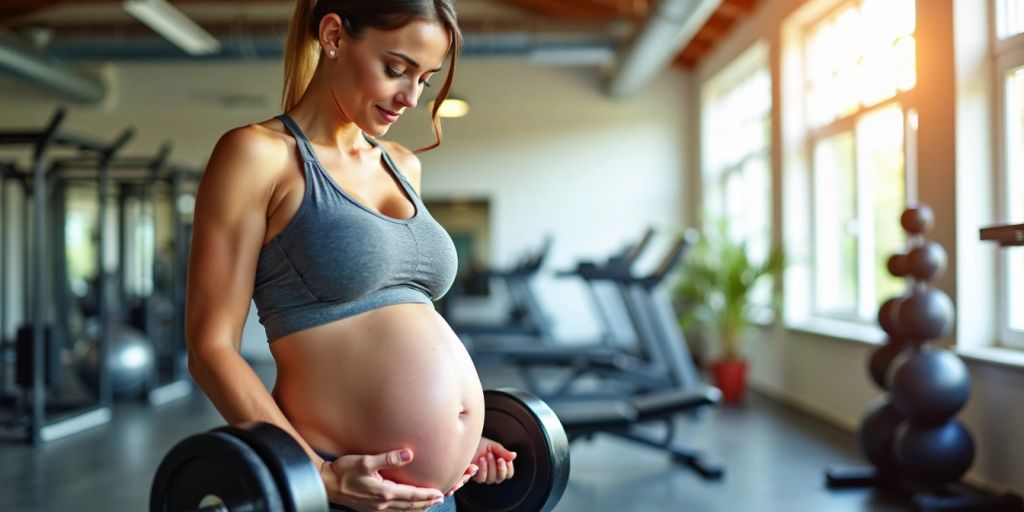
(811, 137)
(1008, 55)
(750, 62)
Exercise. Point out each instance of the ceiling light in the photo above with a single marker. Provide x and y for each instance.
(173, 25)
(453, 107)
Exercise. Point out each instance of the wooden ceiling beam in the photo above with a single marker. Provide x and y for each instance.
(716, 28)
(736, 8)
(590, 9)
(8, 6)
(10, 9)
(13, 9)
(278, 28)
(12, 12)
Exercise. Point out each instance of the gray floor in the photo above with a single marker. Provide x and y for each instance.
(774, 459)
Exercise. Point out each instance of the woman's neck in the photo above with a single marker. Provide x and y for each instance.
(322, 120)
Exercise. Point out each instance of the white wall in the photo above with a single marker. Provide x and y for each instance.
(828, 376)
(556, 156)
(542, 143)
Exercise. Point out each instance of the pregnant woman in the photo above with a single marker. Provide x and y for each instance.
(321, 224)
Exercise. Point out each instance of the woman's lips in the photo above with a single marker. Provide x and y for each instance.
(388, 116)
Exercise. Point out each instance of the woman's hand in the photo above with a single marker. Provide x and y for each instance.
(355, 481)
(470, 472)
(495, 462)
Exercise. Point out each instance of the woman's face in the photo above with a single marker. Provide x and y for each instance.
(382, 74)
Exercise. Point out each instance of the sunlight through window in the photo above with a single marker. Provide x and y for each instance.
(859, 56)
(836, 225)
(737, 179)
(1014, 195)
(858, 59)
(1010, 15)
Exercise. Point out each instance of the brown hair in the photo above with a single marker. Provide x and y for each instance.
(302, 49)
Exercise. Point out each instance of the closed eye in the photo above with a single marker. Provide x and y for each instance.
(395, 73)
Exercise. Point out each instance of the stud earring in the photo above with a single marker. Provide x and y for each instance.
(331, 53)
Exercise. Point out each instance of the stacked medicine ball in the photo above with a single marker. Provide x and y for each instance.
(911, 433)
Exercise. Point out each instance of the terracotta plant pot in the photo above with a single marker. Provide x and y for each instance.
(731, 378)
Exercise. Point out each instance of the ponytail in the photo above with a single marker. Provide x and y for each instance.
(301, 53)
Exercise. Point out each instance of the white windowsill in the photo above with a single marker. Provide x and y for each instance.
(1012, 358)
(840, 330)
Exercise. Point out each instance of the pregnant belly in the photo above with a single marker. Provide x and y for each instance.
(396, 377)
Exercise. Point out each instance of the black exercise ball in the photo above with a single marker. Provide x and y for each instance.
(131, 362)
(927, 261)
(917, 219)
(929, 385)
(934, 455)
(888, 317)
(897, 265)
(926, 314)
(877, 434)
(881, 359)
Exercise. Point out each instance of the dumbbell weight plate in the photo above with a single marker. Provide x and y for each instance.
(214, 468)
(526, 425)
(298, 481)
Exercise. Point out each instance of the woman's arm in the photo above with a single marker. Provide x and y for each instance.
(230, 222)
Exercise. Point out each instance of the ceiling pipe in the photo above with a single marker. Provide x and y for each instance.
(23, 62)
(670, 26)
(584, 48)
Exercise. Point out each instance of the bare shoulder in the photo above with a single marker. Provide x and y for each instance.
(406, 160)
(261, 144)
(252, 155)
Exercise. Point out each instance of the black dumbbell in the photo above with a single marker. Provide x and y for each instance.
(253, 466)
(526, 425)
(259, 467)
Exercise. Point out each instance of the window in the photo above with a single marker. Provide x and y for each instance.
(856, 61)
(1009, 17)
(736, 171)
(736, 109)
(1009, 57)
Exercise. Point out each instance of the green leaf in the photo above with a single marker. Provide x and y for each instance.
(717, 279)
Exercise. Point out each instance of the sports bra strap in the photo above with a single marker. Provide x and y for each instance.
(388, 161)
(305, 149)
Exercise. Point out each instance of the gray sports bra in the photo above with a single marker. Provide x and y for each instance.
(337, 258)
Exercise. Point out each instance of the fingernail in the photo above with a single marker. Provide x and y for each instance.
(490, 456)
(405, 455)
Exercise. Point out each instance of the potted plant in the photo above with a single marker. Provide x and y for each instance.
(716, 289)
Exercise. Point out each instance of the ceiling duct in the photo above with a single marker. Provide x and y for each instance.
(564, 49)
(580, 48)
(25, 63)
(668, 29)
